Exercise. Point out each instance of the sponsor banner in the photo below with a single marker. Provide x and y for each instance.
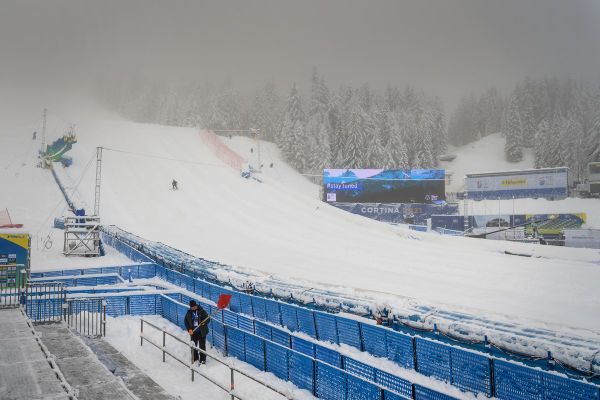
(589, 238)
(537, 183)
(14, 250)
(427, 186)
(398, 213)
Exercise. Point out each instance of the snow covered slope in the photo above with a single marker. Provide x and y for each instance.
(484, 155)
(281, 228)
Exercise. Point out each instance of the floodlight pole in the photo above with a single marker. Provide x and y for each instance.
(255, 133)
(98, 181)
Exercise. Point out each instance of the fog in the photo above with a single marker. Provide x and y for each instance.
(447, 48)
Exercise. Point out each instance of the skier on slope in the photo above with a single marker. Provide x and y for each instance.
(174, 184)
(196, 322)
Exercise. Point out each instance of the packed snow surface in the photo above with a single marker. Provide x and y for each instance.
(280, 227)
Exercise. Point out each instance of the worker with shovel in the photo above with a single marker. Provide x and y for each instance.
(196, 323)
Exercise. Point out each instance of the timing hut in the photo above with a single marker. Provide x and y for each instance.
(548, 183)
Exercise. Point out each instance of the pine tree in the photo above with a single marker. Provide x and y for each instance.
(354, 155)
(512, 148)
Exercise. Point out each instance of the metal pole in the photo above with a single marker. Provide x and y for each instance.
(164, 344)
(232, 383)
(141, 332)
(98, 181)
(43, 149)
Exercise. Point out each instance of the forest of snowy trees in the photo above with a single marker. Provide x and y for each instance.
(344, 128)
(353, 127)
(560, 120)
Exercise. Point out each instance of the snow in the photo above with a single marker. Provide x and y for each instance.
(280, 227)
(123, 333)
(484, 155)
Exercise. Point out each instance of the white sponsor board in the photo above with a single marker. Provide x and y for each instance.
(507, 234)
(517, 181)
(589, 238)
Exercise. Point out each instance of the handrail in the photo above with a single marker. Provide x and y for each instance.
(231, 390)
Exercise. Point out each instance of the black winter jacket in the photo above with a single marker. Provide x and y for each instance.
(189, 324)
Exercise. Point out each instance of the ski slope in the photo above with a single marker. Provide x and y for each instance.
(280, 228)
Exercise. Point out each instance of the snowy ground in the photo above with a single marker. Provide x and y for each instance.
(124, 334)
(280, 228)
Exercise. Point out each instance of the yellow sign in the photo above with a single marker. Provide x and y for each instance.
(514, 182)
(20, 239)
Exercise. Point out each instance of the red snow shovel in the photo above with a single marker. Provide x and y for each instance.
(223, 302)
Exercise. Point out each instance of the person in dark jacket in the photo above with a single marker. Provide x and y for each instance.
(196, 323)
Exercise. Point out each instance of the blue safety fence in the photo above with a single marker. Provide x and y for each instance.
(468, 370)
(136, 271)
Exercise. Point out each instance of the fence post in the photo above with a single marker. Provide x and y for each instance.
(164, 343)
(141, 332)
(232, 383)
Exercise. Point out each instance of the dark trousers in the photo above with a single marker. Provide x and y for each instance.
(199, 341)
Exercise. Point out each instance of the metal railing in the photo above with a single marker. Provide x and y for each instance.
(13, 278)
(44, 301)
(232, 370)
(86, 315)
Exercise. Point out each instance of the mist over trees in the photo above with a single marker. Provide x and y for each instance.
(560, 120)
(348, 127)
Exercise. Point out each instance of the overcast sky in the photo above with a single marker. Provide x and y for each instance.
(448, 48)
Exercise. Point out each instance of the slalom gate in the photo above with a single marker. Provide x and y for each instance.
(297, 344)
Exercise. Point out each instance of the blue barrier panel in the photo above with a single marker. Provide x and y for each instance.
(561, 388)
(169, 310)
(422, 393)
(361, 390)
(87, 282)
(259, 308)
(471, 372)
(107, 280)
(236, 343)
(161, 272)
(514, 382)
(281, 337)
(142, 305)
(400, 349)
(246, 324)
(218, 331)
(264, 330)
(277, 360)
(349, 332)
(331, 383)
(359, 369)
(230, 318)
(392, 396)
(373, 340)
(433, 359)
(302, 371)
(131, 271)
(90, 271)
(215, 292)
(246, 304)
(255, 351)
(205, 289)
(116, 305)
(147, 271)
(326, 327)
(273, 312)
(181, 311)
(234, 304)
(328, 356)
(289, 317)
(111, 270)
(172, 277)
(306, 321)
(394, 383)
(302, 346)
(187, 282)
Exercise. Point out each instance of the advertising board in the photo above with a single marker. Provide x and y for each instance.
(426, 186)
(551, 183)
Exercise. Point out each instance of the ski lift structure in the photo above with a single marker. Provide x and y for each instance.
(82, 236)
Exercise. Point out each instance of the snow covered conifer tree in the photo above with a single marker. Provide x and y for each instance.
(514, 132)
